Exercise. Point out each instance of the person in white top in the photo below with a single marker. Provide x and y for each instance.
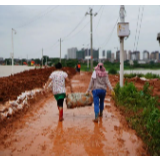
(58, 79)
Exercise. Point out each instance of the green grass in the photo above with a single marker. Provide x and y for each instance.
(147, 75)
(141, 111)
(109, 66)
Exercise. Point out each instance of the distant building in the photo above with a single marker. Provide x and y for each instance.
(72, 53)
(118, 55)
(125, 55)
(109, 55)
(129, 55)
(155, 56)
(95, 53)
(1, 61)
(136, 55)
(103, 53)
(80, 55)
(112, 57)
(145, 55)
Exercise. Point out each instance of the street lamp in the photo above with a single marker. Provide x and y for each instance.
(12, 54)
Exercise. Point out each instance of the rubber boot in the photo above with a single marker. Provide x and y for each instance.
(61, 114)
(96, 118)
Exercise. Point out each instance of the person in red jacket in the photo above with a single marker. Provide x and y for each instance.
(78, 67)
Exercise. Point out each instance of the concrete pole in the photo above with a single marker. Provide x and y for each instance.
(158, 38)
(88, 63)
(121, 61)
(12, 54)
(91, 41)
(60, 49)
(122, 19)
(42, 57)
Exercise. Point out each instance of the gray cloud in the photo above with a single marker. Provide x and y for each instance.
(42, 26)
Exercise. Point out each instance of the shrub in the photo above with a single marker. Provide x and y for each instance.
(112, 71)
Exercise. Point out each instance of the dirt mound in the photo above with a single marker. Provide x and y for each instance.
(14, 85)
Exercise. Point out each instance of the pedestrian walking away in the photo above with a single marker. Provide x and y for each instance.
(98, 85)
(58, 79)
(78, 67)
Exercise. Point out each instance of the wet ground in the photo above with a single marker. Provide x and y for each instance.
(38, 132)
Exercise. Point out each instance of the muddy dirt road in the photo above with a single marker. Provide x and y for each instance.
(38, 132)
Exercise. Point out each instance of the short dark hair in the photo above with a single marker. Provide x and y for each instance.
(58, 65)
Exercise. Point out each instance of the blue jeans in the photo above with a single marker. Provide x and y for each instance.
(98, 94)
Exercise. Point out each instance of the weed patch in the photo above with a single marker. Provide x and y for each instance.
(141, 111)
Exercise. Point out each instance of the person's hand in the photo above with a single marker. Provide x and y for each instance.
(112, 93)
(44, 92)
(87, 93)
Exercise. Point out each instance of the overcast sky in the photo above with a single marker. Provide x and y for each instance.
(42, 26)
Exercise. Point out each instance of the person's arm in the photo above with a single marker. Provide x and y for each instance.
(48, 82)
(108, 83)
(68, 82)
(110, 87)
(90, 85)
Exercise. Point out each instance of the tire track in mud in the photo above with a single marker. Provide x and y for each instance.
(38, 132)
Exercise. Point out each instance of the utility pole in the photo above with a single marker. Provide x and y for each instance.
(123, 31)
(60, 50)
(42, 57)
(122, 19)
(12, 54)
(158, 38)
(91, 34)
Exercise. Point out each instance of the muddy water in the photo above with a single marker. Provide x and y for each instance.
(40, 133)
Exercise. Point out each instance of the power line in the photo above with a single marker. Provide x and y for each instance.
(98, 24)
(136, 28)
(38, 17)
(111, 32)
(99, 17)
(85, 25)
(80, 30)
(52, 45)
(140, 28)
(74, 28)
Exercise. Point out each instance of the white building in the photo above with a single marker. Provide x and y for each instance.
(112, 57)
(71, 54)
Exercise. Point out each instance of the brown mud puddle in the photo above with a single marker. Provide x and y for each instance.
(39, 132)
